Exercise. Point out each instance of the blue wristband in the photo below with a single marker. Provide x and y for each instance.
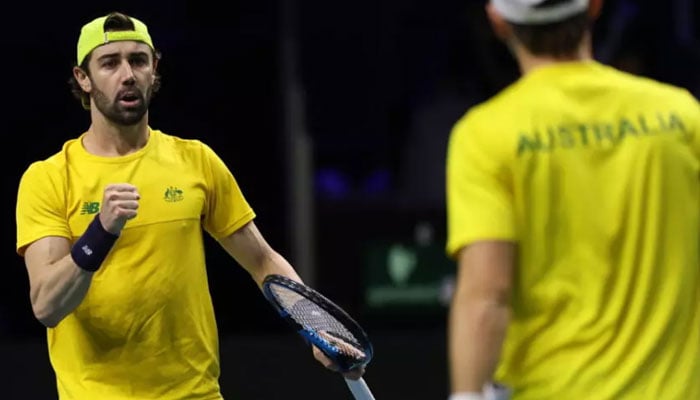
(91, 249)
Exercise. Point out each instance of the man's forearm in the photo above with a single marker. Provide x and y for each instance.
(275, 263)
(59, 290)
(477, 330)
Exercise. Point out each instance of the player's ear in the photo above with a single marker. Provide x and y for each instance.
(156, 61)
(500, 27)
(155, 69)
(83, 79)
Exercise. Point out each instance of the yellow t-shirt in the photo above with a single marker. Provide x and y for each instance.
(146, 328)
(594, 173)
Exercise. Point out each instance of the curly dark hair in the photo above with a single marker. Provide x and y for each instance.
(115, 22)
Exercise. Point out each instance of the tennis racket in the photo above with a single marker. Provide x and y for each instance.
(324, 324)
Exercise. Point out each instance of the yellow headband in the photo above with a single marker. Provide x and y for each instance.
(92, 35)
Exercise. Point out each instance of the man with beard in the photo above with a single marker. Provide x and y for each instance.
(110, 229)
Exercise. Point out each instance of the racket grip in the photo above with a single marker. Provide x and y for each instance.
(359, 389)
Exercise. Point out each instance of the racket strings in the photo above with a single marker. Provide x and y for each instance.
(314, 318)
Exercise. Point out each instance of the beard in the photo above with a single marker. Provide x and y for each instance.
(118, 114)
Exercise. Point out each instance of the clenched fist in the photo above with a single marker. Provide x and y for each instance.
(120, 204)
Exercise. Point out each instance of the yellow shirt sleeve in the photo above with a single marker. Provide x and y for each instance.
(479, 197)
(227, 209)
(40, 208)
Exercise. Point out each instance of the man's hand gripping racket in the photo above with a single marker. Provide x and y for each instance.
(324, 325)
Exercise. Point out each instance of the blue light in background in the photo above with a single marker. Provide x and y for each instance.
(332, 183)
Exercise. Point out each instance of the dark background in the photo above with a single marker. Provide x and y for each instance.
(383, 81)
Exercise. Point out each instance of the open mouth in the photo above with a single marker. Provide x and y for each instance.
(130, 99)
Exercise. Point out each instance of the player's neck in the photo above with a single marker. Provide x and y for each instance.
(106, 139)
(529, 62)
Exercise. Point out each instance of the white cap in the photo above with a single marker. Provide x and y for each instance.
(527, 12)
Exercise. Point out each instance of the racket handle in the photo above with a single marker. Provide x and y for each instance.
(359, 389)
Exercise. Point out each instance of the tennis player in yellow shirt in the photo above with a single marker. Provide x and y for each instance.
(572, 200)
(110, 228)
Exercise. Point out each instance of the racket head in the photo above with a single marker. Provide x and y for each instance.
(319, 321)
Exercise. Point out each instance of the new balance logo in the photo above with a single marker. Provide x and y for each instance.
(173, 194)
(90, 207)
(86, 250)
